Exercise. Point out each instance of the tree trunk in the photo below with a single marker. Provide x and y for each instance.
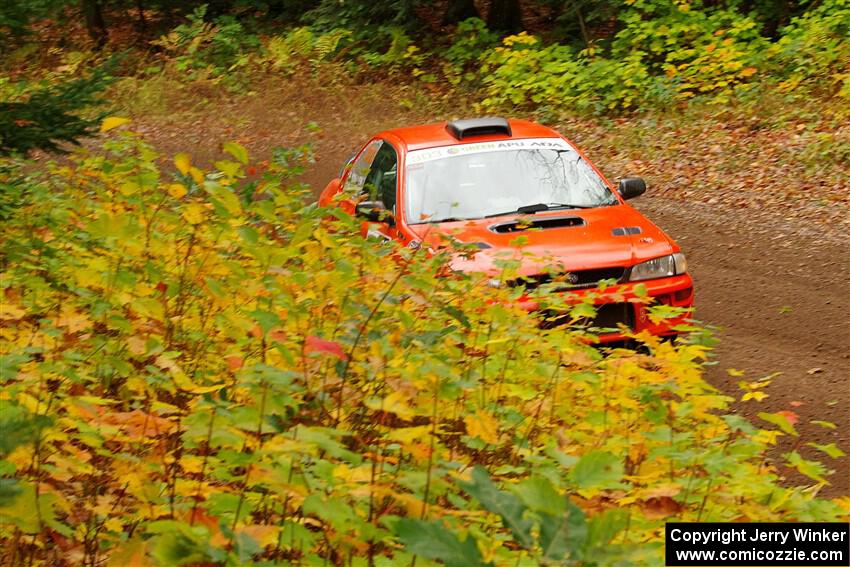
(505, 16)
(142, 22)
(95, 24)
(458, 11)
(582, 26)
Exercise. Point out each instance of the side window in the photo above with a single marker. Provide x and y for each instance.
(374, 173)
(360, 169)
(381, 181)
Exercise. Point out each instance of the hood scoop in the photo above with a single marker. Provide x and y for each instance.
(625, 230)
(527, 223)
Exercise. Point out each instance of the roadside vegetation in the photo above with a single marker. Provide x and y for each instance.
(198, 368)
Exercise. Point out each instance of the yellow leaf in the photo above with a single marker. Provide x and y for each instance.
(407, 435)
(264, 536)
(113, 525)
(137, 345)
(181, 380)
(11, 312)
(748, 71)
(132, 553)
(196, 174)
(75, 322)
(394, 403)
(177, 190)
(361, 474)
(167, 363)
(112, 122)
(484, 426)
(194, 213)
(128, 188)
(185, 384)
(182, 162)
(191, 464)
(757, 396)
(397, 403)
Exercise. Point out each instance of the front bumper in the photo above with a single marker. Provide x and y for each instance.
(622, 303)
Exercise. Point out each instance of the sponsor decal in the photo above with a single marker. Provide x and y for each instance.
(431, 154)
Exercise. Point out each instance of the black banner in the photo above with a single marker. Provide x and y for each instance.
(757, 544)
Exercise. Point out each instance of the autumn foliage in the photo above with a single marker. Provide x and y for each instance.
(199, 369)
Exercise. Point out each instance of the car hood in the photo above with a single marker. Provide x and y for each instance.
(575, 239)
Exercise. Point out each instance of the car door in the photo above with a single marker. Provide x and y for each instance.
(373, 176)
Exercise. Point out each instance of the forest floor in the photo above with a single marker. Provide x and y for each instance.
(765, 231)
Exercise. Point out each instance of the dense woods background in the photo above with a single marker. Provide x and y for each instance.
(198, 369)
(551, 56)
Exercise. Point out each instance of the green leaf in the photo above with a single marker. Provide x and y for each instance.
(18, 426)
(432, 541)
(830, 449)
(31, 514)
(780, 421)
(598, 469)
(179, 548)
(540, 496)
(226, 198)
(505, 504)
(564, 535)
(238, 151)
(458, 315)
(230, 169)
(602, 528)
(9, 490)
(812, 469)
(21, 511)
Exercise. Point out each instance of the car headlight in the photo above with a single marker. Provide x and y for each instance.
(662, 267)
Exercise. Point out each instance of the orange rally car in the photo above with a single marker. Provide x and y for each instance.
(486, 181)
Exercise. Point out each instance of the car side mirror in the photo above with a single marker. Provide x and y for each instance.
(631, 187)
(375, 211)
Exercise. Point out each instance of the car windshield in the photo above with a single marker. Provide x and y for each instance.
(473, 181)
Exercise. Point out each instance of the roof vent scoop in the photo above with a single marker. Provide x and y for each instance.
(461, 129)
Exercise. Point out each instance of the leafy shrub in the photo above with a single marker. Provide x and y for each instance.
(522, 72)
(302, 45)
(814, 52)
(470, 41)
(205, 370)
(702, 51)
(666, 52)
(208, 50)
(400, 51)
(49, 113)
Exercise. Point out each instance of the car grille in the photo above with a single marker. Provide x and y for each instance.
(612, 314)
(571, 280)
(608, 316)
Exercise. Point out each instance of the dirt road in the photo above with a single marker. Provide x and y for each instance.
(779, 294)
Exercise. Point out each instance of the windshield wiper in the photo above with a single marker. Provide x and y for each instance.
(540, 207)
